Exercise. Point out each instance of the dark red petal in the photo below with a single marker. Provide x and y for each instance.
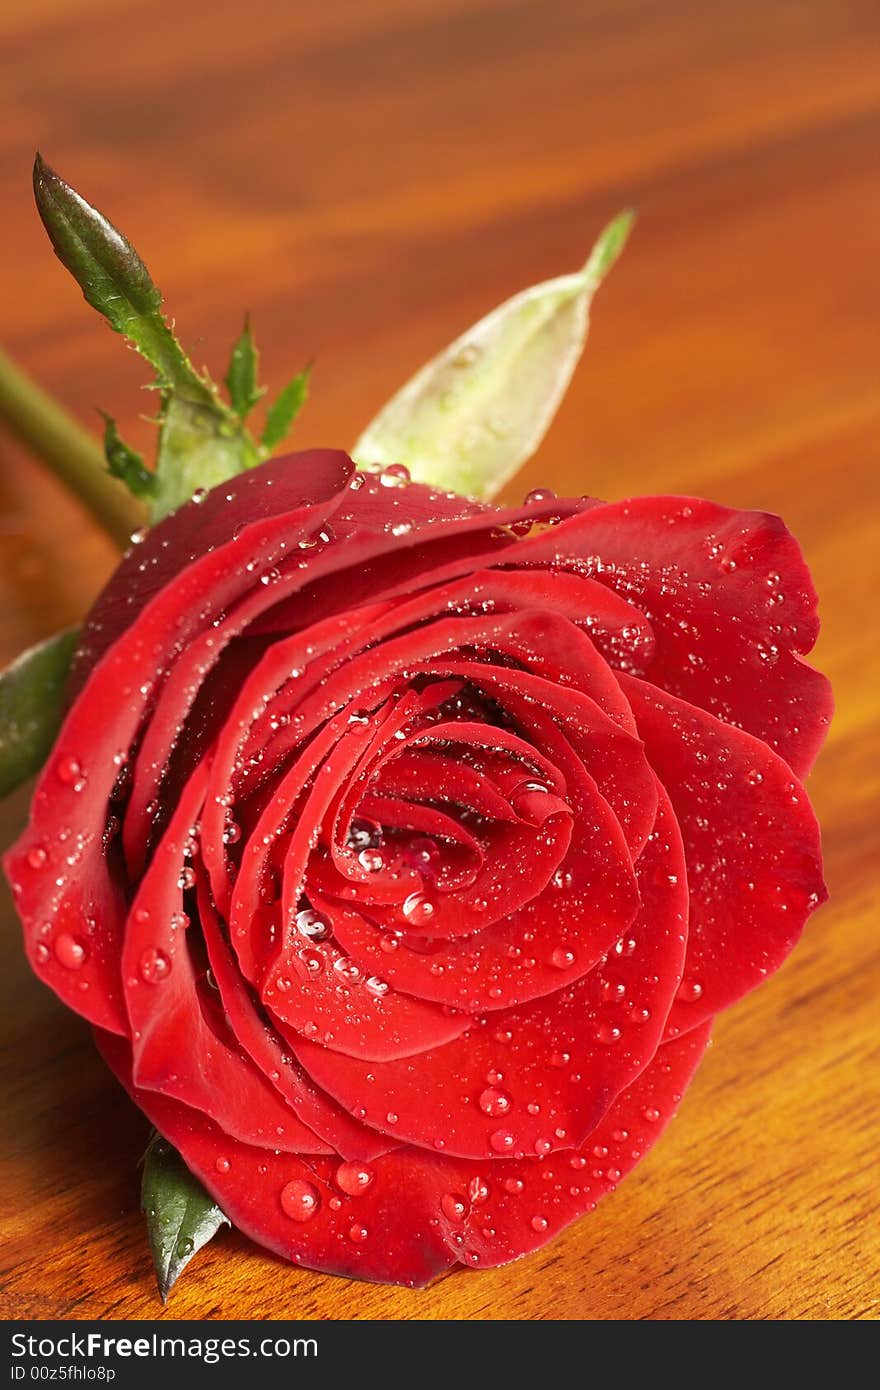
(82, 901)
(176, 1049)
(584, 914)
(528, 1202)
(339, 1130)
(316, 991)
(751, 840)
(418, 1212)
(538, 1077)
(301, 1207)
(731, 605)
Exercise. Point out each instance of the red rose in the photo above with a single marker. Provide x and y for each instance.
(401, 849)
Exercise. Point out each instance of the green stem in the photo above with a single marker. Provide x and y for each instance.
(68, 450)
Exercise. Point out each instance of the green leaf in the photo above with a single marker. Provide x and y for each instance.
(473, 415)
(241, 378)
(31, 707)
(181, 1217)
(124, 463)
(285, 409)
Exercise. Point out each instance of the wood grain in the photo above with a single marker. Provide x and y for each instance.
(367, 177)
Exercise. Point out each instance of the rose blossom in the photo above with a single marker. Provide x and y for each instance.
(401, 849)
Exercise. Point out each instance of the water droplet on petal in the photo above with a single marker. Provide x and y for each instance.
(69, 771)
(689, 991)
(395, 475)
(311, 925)
(563, 959)
(453, 1206)
(494, 1102)
(154, 965)
(418, 909)
(371, 860)
(502, 1141)
(299, 1200)
(353, 1178)
(357, 1234)
(478, 1190)
(70, 951)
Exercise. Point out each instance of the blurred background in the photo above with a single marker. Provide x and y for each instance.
(368, 177)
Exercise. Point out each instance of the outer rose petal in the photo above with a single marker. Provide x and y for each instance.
(69, 812)
(752, 846)
(732, 607)
(405, 1227)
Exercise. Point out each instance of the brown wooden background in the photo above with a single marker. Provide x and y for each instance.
(367, 177)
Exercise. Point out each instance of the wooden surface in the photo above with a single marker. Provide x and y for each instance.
(367, 177)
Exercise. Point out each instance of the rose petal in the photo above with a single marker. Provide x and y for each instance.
(751, 840)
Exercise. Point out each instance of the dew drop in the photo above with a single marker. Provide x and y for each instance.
(539, 1223)
(502, 1141)
(453, 1206)
(311, 924)
(421, 854)
(346, 969)
(231, 833)
(37, 857)
(395, 475)
(494, 1102)
(371, 860)
(478, 1190)
(562, 958)
(514, 1186)
(689, 991)
(357, 1234)
(418, 909)
(154, 965)
(222, 1165)
(651, 1114)
(353, 1178)
(70, 951)
(69, 771)
(299, 1200)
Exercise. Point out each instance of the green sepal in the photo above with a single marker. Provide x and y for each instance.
(284, 410)
(241, 378)
(181, 1216)
(32, 692)
(124, 463)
